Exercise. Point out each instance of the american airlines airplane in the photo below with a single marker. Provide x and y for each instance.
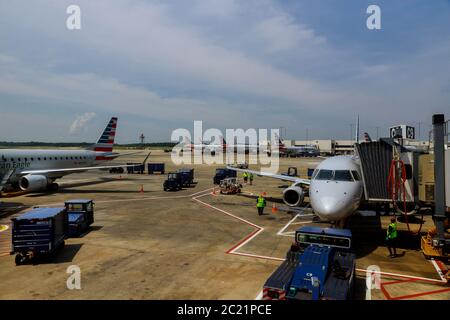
(34, 170)
(310, 151)
(335, 188)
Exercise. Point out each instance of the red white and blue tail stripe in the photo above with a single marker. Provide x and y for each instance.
(106, 141)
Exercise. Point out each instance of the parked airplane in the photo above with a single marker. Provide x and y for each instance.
(35, 170)
(213, 148)
(335, 188)
(305, 151)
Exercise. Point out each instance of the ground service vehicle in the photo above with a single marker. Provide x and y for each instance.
(230, 186)
(174, 181)
(39, 232)
(80, 214)
(155, 167)
(223, 173)
(187, 176)
(319, 266)
(135, 168)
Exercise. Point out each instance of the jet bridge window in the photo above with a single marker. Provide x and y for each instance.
(325, 175)
(342, 175)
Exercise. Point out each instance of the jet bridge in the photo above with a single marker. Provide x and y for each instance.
(376, 159)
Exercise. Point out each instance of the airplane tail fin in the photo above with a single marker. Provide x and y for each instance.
(106, 141)
(367, 138)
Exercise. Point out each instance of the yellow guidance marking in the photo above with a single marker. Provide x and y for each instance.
(3, 227)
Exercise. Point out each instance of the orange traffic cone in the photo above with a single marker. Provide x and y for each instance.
(142, 188)
(274, 208)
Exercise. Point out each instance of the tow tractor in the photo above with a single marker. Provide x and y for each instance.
(230, 186)
(319, 266)
(80, 214)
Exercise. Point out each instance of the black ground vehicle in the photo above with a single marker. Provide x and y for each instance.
(223, 173)
(174, 181)
(80, 214)
(187, 176)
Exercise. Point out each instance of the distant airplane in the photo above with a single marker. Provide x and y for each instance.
(35, 170)
(310, 151)
(367, 138)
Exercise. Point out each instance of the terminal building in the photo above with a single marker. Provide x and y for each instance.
(343, 147)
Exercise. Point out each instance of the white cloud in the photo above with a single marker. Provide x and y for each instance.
(81, 121)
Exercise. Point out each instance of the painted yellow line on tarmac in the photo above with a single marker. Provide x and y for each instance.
(3, 227)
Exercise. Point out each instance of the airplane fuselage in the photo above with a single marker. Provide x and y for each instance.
(40, 159)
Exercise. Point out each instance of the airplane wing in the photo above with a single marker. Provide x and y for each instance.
(272, 175)
(71, 170)
(116, 154)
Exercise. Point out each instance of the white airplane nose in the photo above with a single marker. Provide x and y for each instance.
(333, 204)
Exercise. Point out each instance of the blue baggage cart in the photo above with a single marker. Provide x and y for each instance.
(38, 232)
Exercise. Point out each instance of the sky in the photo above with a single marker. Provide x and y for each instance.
(304, 65)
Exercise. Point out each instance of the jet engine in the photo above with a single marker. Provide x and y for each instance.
(33, 183)
(293, 196)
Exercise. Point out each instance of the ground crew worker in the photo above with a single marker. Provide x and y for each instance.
(391, 238)
(245, 176)
(250, 178)
(260, 205)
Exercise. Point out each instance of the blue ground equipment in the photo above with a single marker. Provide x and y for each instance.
(187, 176)
(39, 232)
(156, 167)
(319, 266)
(80, 214)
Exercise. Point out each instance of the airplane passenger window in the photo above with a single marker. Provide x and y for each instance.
(356, 175)
(325, 175)
(342, 175)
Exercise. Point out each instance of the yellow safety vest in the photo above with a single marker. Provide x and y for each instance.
(393, 233)
(261, 202)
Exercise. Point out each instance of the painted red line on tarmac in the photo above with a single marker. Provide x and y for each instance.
(398, 281)
(420, 294)
(403, 276)
(385, 292)
(243, 240)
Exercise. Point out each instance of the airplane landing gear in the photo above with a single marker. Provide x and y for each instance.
(53, 187)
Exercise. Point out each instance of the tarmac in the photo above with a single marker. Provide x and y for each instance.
(195, 243)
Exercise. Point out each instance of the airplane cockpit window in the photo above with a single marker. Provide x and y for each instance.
(356, 175)
(342, 175)
(325, 175)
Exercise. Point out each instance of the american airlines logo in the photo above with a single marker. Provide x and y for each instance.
(14, 165)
